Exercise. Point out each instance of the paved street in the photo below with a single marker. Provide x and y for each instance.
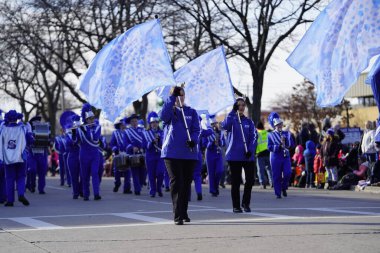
(305, 221)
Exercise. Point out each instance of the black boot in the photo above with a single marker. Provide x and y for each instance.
(116, 188)
(23, 200)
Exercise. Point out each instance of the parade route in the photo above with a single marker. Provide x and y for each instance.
(341, 221)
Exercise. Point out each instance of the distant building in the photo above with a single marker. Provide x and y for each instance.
(363, 102)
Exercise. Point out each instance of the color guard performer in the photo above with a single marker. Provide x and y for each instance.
(279, 143)
(88, 137)
(242, 140)
(13, 141)
(180, 150)
(152, 142)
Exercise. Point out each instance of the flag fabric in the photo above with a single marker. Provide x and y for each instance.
(338, 47)
(208, 83)
(134, 63)
(373, 79)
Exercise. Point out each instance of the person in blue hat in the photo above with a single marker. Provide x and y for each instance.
(242, 141)
(37, 164)
(152, 143)
(3, 193)
(72, 159)
(88, 136)
(119, 144)
(180, 149)
(14, 138)
(214, 143)
(135, 147)
(279, 142)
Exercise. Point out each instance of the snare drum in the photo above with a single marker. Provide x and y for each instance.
(41, 131)
(137, 160)
(121, 162)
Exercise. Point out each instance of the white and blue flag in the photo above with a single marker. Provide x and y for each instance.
(134, 63)
(338, 47)
(208, 83)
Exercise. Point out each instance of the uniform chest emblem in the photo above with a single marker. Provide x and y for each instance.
(12, 144)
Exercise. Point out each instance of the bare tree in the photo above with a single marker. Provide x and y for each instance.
(250, 29)
(300, 106)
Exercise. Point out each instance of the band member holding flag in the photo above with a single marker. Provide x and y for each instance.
(152, 142)
(180, 150)
(242, 139)
(279, 143)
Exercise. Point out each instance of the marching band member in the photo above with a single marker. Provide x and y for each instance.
(37, 164)
(3, 193)
(180, 150)
(13, 140)
(279, 143)
(214, 142)
(135, 147)
(72, 159)
(102, 148)
(242, 138)
(152, 142)
(119, 144)
(88, 137)
(197, 174)
(60, 147)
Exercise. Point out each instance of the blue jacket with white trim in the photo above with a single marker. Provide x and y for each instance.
(175, 135)
(235, 149)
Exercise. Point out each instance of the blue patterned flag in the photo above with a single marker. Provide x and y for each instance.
(134, 63)
(373, 79)
(208, 83)
(338, 47)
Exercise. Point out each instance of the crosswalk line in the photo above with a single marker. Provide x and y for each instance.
(34, 223)
(268, 215)
(332, 210)
(140, 217)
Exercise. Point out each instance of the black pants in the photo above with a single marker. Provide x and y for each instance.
(236, 169)
(181, 174)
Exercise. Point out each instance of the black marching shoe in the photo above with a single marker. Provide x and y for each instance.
(97, 197)
(284, 193)
(8, 204)
(278, 196)
(178, 222)
(237, 210)
(187, 219)
(116, 189)
(160, 194)
(167, 189)
(42, 192)
(199, 196)
(152, 196)
(75, 197)
(86, 199)
(23, 200)
(127, 192)
(246, 208)
(137, 193)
